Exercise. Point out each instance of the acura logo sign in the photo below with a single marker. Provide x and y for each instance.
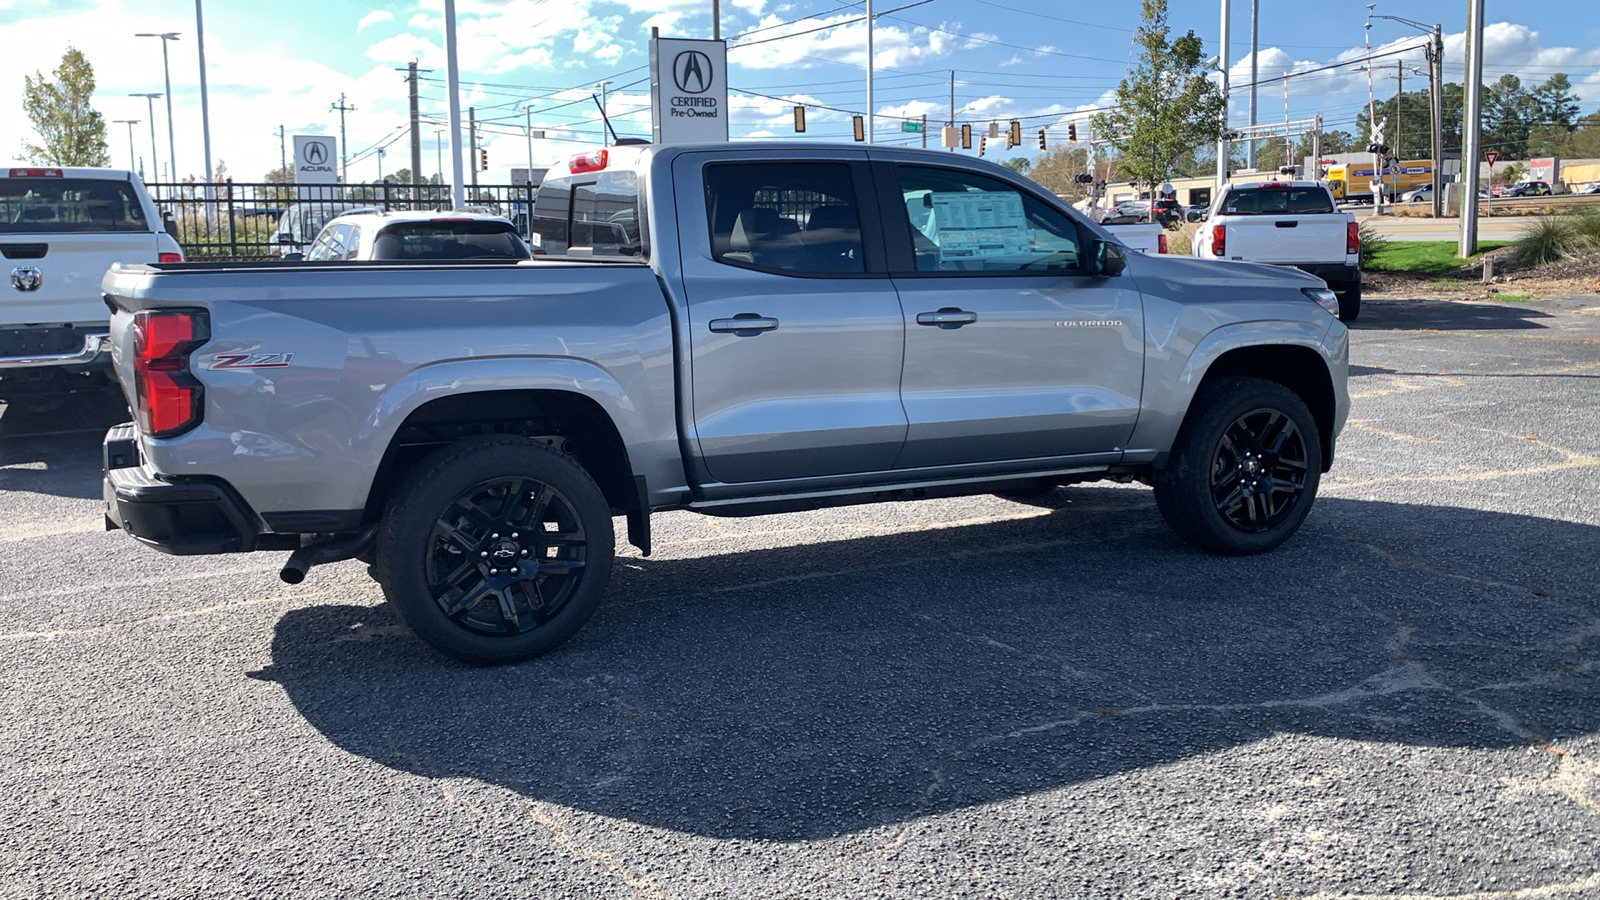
(314, 153)
(26, 279)
(692, 72)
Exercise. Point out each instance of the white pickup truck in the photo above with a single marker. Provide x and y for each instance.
(60, 230)
(1287, 223)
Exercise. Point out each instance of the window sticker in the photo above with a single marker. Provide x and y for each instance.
(979, 224)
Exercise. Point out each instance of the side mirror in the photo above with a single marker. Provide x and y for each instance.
(170, 225)
(1108, 259)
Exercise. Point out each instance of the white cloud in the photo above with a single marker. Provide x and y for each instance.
(373, 18)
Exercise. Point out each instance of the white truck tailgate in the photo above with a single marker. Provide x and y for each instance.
(70, 267)
(1287, 239)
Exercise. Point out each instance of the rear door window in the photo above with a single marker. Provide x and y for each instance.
(445, 239)
(794, 218)
(68, 205)
(589, 216)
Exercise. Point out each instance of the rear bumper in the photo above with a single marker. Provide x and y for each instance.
(32, 347)
(188, 517)
(1338, 277)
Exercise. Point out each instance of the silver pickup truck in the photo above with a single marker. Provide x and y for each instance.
(730, 329)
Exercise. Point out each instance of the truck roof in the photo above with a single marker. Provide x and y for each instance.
(636, 156)
(27, 171)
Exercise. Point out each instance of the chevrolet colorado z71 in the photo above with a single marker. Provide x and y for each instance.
(730, 329)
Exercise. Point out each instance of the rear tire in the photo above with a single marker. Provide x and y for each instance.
(496, 550)
(1245, 469)
(1350, 303)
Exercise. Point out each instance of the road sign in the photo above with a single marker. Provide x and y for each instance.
(688, 91)
(913, 127)
(1491, 156)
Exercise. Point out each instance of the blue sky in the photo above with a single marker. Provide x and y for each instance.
(284, 63)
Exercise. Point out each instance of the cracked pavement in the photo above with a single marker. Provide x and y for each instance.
(959, 698)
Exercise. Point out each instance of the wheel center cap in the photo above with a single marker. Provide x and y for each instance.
(504, 551)
(1252, 466)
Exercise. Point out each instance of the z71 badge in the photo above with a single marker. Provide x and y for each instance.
(251, 360)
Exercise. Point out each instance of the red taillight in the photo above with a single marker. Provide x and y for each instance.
(593, 161)
(1219, 244)
(1161, 242)
(36, 173)
(1352, 238)
(171, 257)
(169, 399)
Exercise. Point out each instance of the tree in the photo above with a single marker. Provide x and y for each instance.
(1057, 169)
(71, 132)
(280, 175)
(1166, 107)
(1018, 164)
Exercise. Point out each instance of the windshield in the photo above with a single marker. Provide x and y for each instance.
(1273, 201)
(459, 239)
(57, 205)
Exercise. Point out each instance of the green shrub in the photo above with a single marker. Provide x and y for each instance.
(1587, 223)
(1547, 239)
(1372, 242)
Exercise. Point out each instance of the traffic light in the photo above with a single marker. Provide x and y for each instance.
(982, 143)
(1041, 139)
(483, 160)
(1072, 132)
(860, 128)
(1014, 136)
(966, 137)
(799, 119)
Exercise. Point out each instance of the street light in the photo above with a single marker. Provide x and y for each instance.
(130, 123)
(527, 111)
(172, 145)
(150, 103)
(1435, 56)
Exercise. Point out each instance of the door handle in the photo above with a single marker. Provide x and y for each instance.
(947, 318)
(744, 325)
(1281, 224)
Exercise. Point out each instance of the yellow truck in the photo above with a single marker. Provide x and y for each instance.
(1353, 182)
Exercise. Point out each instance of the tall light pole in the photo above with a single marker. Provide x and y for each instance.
(130, 123)
(166, 71)
(452, 77)
(1222, 68)
(870, 119)
(150, 104)
(605, 129)
(205, 106)
(527, 110)
(1255, 34)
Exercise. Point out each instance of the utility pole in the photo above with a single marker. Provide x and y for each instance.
(1316, 150)
(1250, 146)
(1470, 131)
(283, 155)
(344, 147)
(924, 131)
(716, 30)
(527, 112)
(1399, 109)
(952, 102)
(1435, 101)
(472, 144)
(870, 129)
(1222, 143)
(416, 129)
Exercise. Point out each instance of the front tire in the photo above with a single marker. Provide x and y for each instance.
(1350, 303)
(496, 550)
(1245, 469)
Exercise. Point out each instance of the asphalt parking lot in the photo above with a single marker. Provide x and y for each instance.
(960, 698)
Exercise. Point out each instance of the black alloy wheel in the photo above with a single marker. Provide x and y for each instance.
(505, 556)
(1245, 468)
(496, 549)
(1259, 471)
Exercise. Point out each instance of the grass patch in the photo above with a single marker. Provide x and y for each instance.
(1513, 298)
(1421, 257)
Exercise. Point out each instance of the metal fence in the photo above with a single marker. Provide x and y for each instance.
(232, 220)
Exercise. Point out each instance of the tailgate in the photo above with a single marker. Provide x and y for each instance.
(69, 268)
(1287, 239)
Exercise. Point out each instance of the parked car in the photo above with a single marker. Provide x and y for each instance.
(298, 225)
(802, 326)
(1591, 189)
(1287, 223)
(1169, 212)
(1528, 189)
(60, 229)
(1196, 212)
(417, 235)
(1422, 194)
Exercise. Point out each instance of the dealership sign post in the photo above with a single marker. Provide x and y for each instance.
(316, 161)
(688, 91)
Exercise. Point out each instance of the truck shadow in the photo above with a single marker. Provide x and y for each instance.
(1383, 314)
(56, 450)
(820, 689)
